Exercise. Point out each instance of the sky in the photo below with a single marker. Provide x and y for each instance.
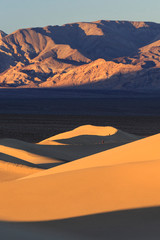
(16, 14)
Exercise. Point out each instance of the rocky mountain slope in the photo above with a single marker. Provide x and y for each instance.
(103, 54)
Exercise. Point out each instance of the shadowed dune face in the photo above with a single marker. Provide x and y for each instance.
(117, 139)
(139, 224)
(108, 53)
(85, 140)
(14, 160)
(114, 188)
(139, 151)
(87, 129)
(58, 150)
(20, 159)
(27, 152)
(12, 168)
(11, 171)
(85, 198)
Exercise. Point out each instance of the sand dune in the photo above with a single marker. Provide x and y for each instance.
(12, 168)
(139, 151)
(12, 171)
(113, 192)
(20, 159)
(86, 129)
(89, 134)
(83, 192)
(139, 224)
(78, 143)
(126, 177)
(26, 153)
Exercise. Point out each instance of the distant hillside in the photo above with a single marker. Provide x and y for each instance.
(104, 54)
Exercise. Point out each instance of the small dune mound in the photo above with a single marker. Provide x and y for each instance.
(111, 140)
(91, 137)
(86, 130)
(72, 145)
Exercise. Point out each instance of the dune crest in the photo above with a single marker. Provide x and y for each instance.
(124, 177)
(78, 143)
(82, 130)
(138, 151)
(12, 171)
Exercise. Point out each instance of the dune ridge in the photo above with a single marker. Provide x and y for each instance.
(138, 151)
(86, 129)
(124, 177)
(114, 188)
(56, 150)
(11, 171)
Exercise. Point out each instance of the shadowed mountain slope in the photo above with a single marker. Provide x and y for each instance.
(116, 54)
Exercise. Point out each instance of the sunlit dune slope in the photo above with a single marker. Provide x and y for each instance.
(78, 143)
(12, 171)
(89, 134)
(28, 152)
(82, 130)
(138, 224)
(141, 150)
(126, 177)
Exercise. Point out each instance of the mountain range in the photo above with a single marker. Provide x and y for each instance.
(113, 55)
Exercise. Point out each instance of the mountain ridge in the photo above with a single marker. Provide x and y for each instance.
(115, 55)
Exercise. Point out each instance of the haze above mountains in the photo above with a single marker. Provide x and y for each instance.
(113, 55)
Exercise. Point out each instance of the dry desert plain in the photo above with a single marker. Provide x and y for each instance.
(88, 183)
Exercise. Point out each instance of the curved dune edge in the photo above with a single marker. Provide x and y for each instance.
(146, 149)
(12, 171)
(26, 155)
(83, 192)
(144, 223)
(95, 188)
(52, 152)
(82, 130)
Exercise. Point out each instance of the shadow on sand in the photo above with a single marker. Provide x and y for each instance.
(79, 147)
(139, 224)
